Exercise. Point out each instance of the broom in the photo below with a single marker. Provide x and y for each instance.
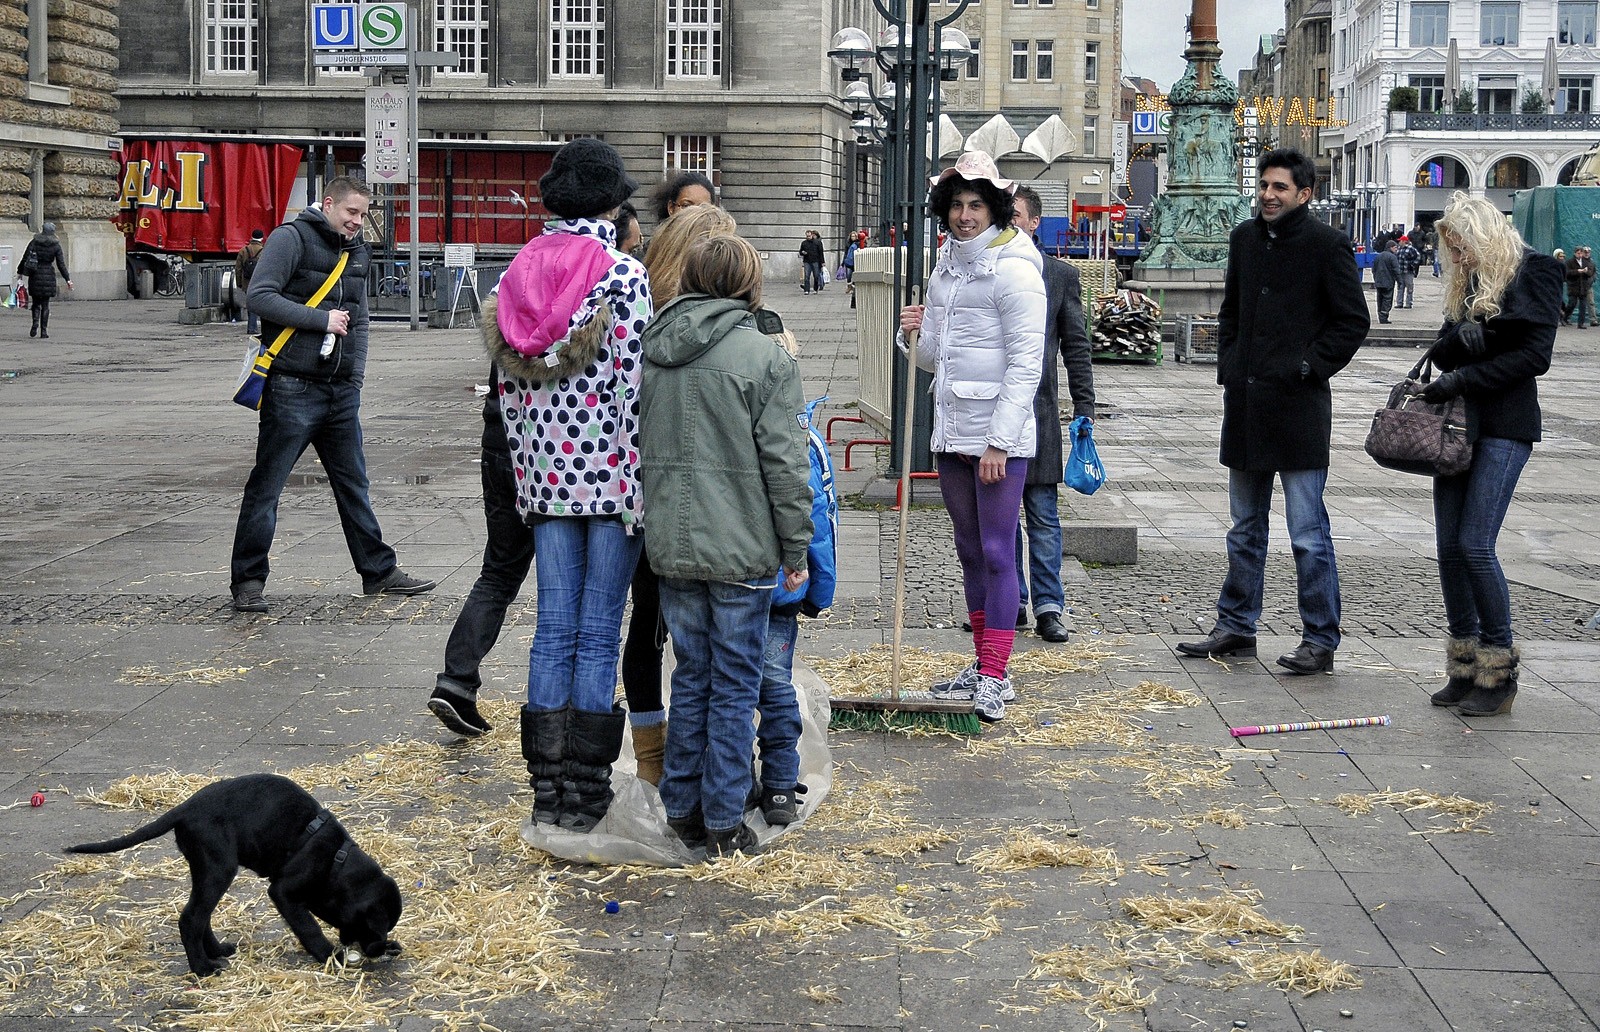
(878, 713)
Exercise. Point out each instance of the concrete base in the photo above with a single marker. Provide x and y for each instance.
(1100, 541)
(96, 256)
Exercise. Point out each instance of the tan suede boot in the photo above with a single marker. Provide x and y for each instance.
(649, 746)
(1496, 686)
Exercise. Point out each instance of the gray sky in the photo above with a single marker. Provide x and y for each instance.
(1153, 38)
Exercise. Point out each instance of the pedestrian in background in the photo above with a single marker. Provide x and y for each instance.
(244, 266)
(313, 392)
(981, 335)
(723, 455)
(1501, 303)
(1292, 316)
(1410, 261)
(1580, 280)
(644, 649)
(1385, 276)
(811, 257)
(565, 337)
(41, 260)
(1064, 333)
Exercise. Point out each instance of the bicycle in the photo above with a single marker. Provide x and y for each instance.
(169, 280)
(398, 284)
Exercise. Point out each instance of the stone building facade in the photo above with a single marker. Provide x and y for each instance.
(59, 133)
(740, 89)
(1494, 119)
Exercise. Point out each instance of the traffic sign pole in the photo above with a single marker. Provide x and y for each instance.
(413, 273)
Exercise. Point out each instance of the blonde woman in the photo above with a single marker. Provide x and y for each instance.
(1502, 304)
(647, 636)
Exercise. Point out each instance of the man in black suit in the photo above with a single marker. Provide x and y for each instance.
(1063, 328)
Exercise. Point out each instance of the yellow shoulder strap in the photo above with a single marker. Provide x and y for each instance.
(316, 299)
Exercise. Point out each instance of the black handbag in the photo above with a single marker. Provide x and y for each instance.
(1416, 436)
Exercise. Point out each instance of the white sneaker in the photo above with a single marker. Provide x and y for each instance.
(958, 687)
(989, 697)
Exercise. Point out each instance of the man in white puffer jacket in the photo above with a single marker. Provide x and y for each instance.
(982, 338)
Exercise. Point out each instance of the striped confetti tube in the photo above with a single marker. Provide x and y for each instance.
(1309, 725)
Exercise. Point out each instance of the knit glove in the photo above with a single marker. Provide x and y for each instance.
(1441, 389)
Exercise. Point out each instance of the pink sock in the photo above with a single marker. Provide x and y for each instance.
(978, 633)
(996, 653)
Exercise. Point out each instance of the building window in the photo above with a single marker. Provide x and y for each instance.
(1047, 3)
(1044, 59)
(1430, 92)
(577, 38)
(1091, 62)
(1430, 24)
(1575, 94)
(1497, 94)
(1093, 5)
(1575, 22)
(1324, 31)
(694, 39)
(463, 26)
(1019, 3)
(974, 67)
(230, 36)
(693, 154)
(1019, 60)
(1091, 133)
(1499, 24)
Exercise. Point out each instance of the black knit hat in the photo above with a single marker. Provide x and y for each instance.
(585, 179)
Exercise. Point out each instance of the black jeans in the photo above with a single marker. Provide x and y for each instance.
(507, 556)
(1385, 301)
(647, 640)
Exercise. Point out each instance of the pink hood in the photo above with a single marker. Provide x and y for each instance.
(547, 288)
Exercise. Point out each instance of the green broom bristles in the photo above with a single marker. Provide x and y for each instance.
(905, 720)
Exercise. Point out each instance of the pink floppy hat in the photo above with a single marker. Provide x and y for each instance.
(976, 164)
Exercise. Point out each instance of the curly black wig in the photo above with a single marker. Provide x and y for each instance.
(1001, 205)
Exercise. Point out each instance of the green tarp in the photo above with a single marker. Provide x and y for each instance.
(1549, 217)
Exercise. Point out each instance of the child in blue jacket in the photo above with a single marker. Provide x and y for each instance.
(779, 732)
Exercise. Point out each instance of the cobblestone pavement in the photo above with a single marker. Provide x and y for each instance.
(940, 887)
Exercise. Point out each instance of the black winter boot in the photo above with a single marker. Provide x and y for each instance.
(34, 332)
(1461, 667)
(1496, 683)
(594, 741)
(544, 741)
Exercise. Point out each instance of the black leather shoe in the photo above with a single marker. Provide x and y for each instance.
(1307, 659)
(1221, 643)
(1051, 628)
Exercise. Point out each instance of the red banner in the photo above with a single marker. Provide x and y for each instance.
(203, 199)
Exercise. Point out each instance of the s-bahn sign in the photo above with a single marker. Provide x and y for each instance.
(370, 26)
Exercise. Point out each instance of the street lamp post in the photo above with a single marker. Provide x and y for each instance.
(914, 54)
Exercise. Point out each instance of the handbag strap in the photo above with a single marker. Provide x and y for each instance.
(316, 299)
(1426, 361)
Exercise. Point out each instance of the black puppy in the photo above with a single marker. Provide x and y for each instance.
(275, 828)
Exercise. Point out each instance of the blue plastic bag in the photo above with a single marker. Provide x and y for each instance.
(1084, 473)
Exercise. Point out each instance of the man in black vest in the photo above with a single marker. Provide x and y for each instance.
(313, 394)
(1063, 330)
(1292, 316)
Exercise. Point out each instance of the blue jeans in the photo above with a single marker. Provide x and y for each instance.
(1468, 510)
(507, 556)
(296, 413)
(1405, 290)
(719, 635)
(1040, 510)
(584, 568)
(1317, 574)
(813, 276)
(779, 730)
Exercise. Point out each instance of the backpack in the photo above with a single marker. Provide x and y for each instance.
(247, 268)
(822, 555)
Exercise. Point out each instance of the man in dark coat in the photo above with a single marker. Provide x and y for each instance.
(43, 256)
(1063, 329)
(1385, 274)
(1292, 316)
(1580, 278)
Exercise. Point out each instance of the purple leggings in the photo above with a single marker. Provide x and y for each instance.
(985, 520)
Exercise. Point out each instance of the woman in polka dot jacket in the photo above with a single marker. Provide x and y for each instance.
(564, 334)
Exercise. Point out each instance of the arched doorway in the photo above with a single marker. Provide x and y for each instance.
(1564, 177)
(1507, 176)
(1437, 178)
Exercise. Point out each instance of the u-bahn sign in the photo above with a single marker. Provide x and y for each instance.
(369, 26)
